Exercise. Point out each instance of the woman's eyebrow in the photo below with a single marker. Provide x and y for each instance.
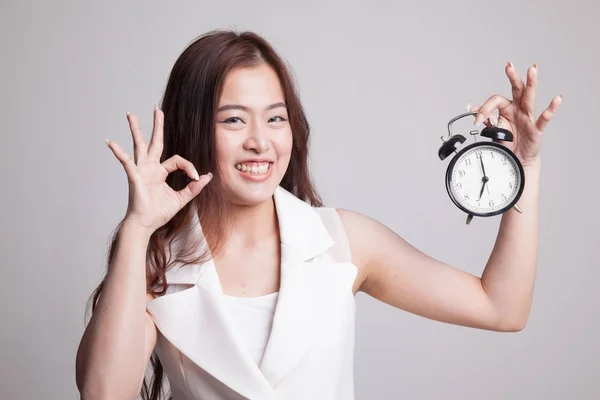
(244, 108)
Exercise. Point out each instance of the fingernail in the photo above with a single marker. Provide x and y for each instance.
(469, 107)
(510, 64)
(478, 120)
(107, 143)
(210, 175)
(534, 65)
(196, 176)
(128, 113)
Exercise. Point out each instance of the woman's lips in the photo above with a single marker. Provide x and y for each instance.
(255, 171)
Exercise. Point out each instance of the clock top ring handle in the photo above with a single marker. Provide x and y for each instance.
(453, 142)
(453, 120)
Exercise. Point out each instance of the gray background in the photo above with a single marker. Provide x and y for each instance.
(379, 82)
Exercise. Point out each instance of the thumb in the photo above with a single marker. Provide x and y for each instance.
(193, 189)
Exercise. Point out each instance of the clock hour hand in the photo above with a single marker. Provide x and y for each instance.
(485, 179)
(482, 188)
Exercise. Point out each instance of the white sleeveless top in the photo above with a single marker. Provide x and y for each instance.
(300, 345)
(252, 318)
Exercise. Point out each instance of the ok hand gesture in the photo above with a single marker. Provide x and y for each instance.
(152, 202)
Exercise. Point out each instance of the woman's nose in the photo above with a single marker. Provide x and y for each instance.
(258, 139)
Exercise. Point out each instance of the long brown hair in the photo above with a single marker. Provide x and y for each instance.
(189, 103)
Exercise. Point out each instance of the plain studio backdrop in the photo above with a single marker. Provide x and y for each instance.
(379, 81)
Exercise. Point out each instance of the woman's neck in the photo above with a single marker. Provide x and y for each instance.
(254, 225)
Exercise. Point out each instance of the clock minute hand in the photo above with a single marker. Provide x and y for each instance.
(482, 167)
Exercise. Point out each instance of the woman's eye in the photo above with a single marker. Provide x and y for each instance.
(232, 120)
(277, 119)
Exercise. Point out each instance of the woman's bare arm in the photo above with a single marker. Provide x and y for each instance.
(120, 337)
(395, 272)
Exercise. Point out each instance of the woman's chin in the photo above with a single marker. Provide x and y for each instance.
(252, 193)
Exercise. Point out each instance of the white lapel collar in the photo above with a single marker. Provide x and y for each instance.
(296, 322)
(300, 227)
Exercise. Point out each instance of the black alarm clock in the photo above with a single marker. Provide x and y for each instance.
(484, 178)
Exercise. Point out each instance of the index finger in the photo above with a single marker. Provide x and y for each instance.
(156, 143)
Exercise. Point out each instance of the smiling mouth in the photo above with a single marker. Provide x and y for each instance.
(254, 168)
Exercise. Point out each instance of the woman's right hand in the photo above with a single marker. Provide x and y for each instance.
(152, 203)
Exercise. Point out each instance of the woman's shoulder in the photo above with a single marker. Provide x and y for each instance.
(348, 225)
(352, 221)
(368, 239)
(350, 231)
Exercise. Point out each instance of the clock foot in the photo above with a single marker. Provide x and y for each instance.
(469, 218)
(516, 207)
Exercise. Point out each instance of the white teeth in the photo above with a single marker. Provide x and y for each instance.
(254, 168)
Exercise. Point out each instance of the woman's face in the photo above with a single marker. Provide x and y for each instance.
(253, 134)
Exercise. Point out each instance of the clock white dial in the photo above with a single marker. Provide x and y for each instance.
(485, 179)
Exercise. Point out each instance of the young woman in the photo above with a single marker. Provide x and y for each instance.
(229, 275)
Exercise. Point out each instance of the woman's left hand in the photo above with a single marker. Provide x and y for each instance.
(518, 115)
